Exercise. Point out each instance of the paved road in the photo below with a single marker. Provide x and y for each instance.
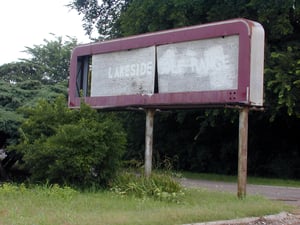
(289, 195)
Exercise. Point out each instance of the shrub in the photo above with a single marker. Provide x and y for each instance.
(74, 147)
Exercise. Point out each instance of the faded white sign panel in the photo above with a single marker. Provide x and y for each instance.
(202, 65)
(123, 73)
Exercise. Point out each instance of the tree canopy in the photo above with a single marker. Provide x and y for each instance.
(51, 59)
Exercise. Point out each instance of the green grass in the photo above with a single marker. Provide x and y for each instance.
(250, 180)
(53, 205)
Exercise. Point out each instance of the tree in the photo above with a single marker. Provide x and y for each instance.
(51, 59)
(49, 62)
(102, 17)
(19, 71)
(283, 80)
(20, 94)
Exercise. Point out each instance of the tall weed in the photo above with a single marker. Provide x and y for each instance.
(160, 186)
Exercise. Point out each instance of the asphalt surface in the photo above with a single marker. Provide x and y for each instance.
(289, 195)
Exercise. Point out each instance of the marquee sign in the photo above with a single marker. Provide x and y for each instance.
(203, 65)
(212, 64)
(123, 73)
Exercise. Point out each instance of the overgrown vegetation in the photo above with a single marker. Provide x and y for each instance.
(202, 140)
(74, 147)
(160, 186)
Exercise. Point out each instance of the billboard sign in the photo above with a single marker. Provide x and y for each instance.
(205, 65)
(123, 73)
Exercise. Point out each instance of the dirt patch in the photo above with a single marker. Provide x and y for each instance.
(278, 219)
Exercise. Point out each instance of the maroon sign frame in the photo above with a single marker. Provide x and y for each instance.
(249, 89)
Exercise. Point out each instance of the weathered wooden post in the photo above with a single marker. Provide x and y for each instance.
(243, 151)
(149, 141)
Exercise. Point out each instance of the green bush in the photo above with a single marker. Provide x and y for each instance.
(74, 147)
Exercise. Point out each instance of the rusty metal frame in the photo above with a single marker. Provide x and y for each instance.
(240, 96)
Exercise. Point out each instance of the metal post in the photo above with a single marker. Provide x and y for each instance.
(243, 151)
(149, 141)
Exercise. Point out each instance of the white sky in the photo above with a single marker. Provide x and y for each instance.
(29, 22)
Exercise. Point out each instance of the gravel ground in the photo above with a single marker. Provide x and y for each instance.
(278, 219)
(288, 195)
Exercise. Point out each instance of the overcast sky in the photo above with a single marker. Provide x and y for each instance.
(29, 22)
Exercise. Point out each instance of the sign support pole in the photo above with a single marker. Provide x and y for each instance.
(149, 141)
(243, 151)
